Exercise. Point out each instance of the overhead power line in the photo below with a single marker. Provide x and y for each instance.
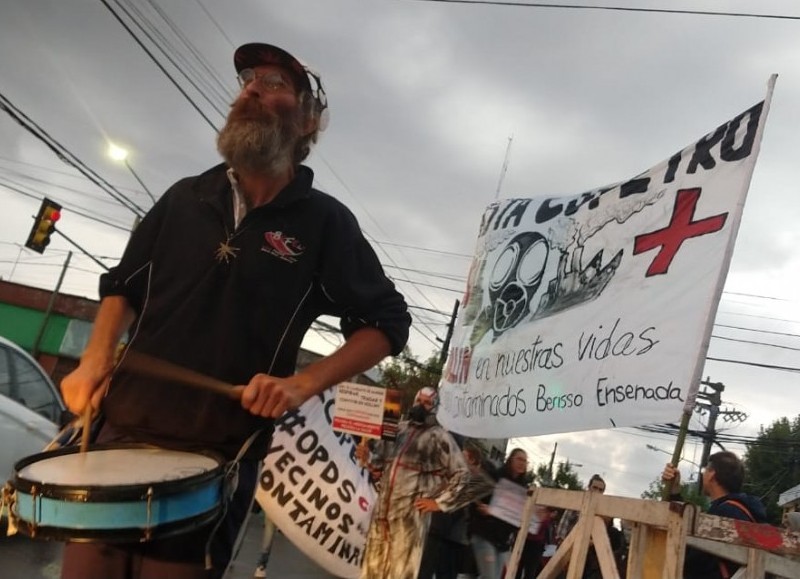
(211, 78)
(65, 154)
(755, 364)
(617, 9)
(458, 278)
(756, 343)
(20, 179)
(215, 23)
(387, 255)
(72, 210)
(756, 330)
(159, 65)
(417, 248)
(760, 317)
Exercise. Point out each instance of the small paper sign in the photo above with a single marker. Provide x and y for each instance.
(361, 410)
(508, 504)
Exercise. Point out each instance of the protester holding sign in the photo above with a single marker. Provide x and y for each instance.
(423, 471)
(723, 477)
(492, 537)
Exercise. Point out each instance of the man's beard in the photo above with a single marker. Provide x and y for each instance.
(255, 139)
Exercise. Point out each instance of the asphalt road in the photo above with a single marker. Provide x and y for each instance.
(23, 558)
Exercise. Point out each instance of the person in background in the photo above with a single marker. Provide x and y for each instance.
(618, 547)
(447, 551)
(531, 559)
(550, 544)
(570, 517)
(723, 478)
(266, 548)
(491, 537)
(224, 276)
(423, 471)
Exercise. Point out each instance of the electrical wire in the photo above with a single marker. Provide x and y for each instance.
(615, 8)
(160, 66)
(427, 249)
(213, 87)
(385, 253)
(221, 88)
(215, 23)
(755, 343)
(755, 364)
(65, 154)
(76, 211)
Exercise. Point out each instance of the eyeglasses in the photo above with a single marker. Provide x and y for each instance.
(272, 81)
(597, 488)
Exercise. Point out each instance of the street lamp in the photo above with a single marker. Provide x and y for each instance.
(652, 447)
(120, 154)
(655, 448)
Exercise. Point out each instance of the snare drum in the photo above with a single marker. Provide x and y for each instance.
(115, 493)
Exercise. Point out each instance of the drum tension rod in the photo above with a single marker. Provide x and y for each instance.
(36, 513)
(148, 529)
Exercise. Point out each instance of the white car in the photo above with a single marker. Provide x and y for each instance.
(30, 407)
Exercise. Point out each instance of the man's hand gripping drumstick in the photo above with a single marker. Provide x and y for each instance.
(265, 395)
(84, 387)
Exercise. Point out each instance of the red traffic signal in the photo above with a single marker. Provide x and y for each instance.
(44, 225)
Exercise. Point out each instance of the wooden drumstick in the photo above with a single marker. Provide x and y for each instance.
(87, 422)
(152, 367)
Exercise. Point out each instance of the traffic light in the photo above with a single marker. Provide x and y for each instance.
(44, 225)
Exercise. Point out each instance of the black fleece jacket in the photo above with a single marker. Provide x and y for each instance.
(294, 259)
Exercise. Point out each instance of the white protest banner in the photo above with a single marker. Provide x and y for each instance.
(359, 409)
(313, 489)
(595, 311)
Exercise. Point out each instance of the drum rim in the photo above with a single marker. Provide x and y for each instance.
(113, 493)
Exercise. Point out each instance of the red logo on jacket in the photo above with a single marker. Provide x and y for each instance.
(282, 246)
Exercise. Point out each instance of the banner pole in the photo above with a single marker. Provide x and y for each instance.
(676, 454)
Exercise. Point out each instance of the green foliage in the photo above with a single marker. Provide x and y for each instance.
(564, 477)
(407, 374)
(772, 464)
(689, 492)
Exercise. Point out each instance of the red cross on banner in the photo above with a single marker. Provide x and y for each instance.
(680, 228)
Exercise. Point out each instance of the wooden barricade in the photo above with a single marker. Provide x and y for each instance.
(661, 531)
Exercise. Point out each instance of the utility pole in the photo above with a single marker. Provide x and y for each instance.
(37, 343)
(712, 400)
(450, 327)
(550, 466)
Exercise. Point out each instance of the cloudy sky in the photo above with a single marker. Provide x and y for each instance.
(425, 97)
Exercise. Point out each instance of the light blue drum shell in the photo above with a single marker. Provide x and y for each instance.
(116, 513)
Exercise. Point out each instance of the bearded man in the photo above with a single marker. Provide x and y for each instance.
(224, 276)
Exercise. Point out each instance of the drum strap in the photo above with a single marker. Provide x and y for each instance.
(230, 484)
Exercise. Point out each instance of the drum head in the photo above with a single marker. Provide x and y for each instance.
(116, 467)
(119, 472)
